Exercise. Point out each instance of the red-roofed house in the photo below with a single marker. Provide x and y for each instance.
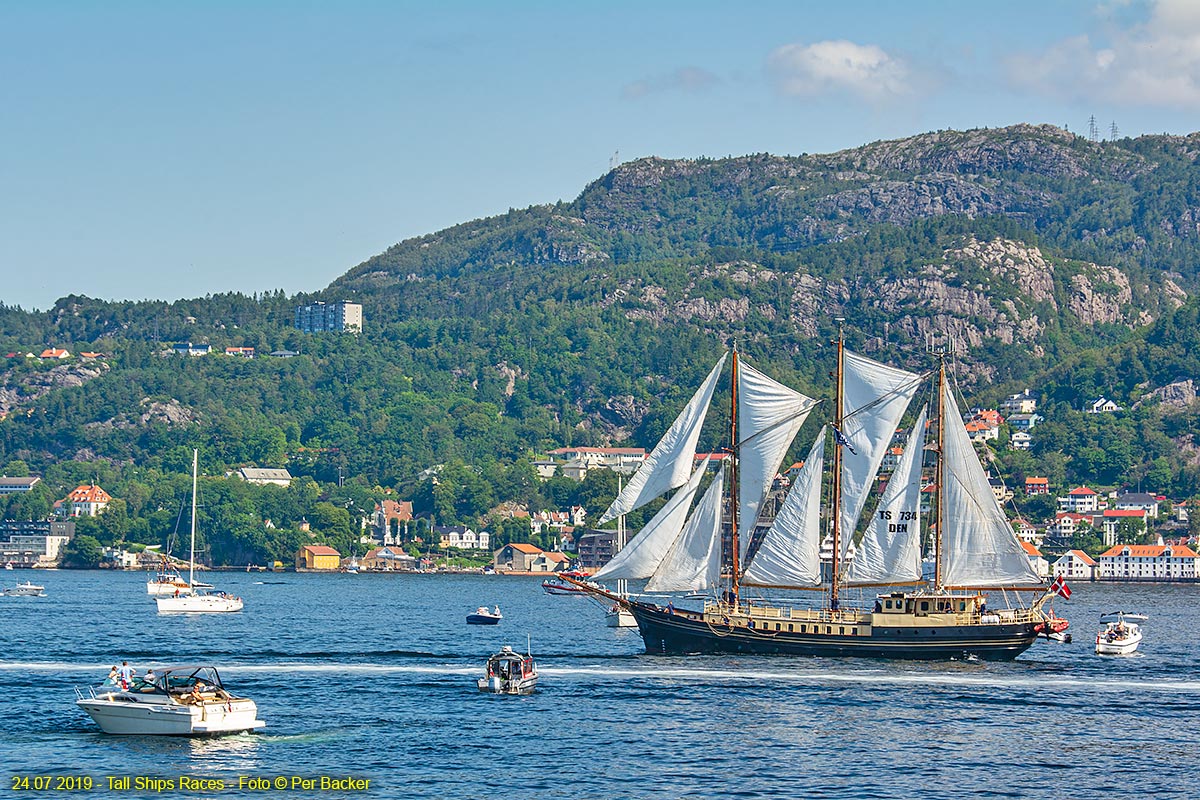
(1080, 500)
(1039, 564)
(1076, 565)
(54, 352)
(1147, 562)
(318, 557)
(86, 501)
(1035, 485)
(981, 431)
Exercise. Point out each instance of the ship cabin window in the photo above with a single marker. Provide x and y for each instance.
(790, 626)
(777, 626)
(924, 605)
(804, 629)
(962, 605)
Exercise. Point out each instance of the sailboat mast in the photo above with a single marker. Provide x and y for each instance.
(836, 489)
(733, 478)
(192, 554)
(940, 479)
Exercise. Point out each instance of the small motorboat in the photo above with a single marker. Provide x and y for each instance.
(509, 672)
(176, 701)
(484, 617)
(26, 589)
(1119, 635)
(1054, 628)
(618, 616)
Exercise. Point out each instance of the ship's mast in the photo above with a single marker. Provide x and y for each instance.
(835, 500)
(940, 478)
(733, 479)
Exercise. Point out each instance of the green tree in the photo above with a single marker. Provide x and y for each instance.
(82, 552)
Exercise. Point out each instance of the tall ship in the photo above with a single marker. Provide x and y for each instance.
(718, 547)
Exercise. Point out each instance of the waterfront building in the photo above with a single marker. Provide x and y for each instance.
(1147, 562)
(37, 543)
(318, 557)
(516, 557)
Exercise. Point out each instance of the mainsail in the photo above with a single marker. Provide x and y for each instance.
(874, 398)
(979, 547)
(789, 555)
(670, 463)
(890, 550)
(693, 563)
(644, 554)
(769, 417)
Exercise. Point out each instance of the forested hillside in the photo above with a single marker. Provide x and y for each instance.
(1052, 263)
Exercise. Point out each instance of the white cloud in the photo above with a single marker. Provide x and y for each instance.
(1155, 62)
(684, 79)
(838, 66)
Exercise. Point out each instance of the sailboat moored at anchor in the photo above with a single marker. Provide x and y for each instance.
(947, 616)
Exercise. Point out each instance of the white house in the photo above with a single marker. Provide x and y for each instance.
(1023, 403)
(1076, 565)
(1103, 406)
(278, 477)
(1080, 500)
(1020, 440)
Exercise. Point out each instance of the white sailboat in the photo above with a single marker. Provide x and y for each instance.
(192, 601)
(677, 551)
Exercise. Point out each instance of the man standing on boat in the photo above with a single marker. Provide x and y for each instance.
(126, 674)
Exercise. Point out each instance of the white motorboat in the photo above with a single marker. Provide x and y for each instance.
(509, 672)
(484, 617)
(617, 616)
(26, 589)
(1119, 633)
(192, 601)
(179, 701)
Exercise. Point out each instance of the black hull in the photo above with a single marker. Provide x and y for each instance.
(686, 632)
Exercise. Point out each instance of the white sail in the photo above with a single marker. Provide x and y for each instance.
(643, 555)
(890, 550)
(769, 416)
(874, 398)
(694, 561)
(671, 461)
(979, 547)
(790, 553)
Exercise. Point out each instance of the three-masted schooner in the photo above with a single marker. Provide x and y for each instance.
(974, 545)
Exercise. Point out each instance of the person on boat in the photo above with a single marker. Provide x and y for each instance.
(670, 607)
(482, 611)
(495, 611)
(149, 677)
(125, 674)
(114, 677)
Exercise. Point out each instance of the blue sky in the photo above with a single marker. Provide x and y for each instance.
(167, 150)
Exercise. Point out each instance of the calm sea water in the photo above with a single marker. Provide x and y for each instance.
(372, 676)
